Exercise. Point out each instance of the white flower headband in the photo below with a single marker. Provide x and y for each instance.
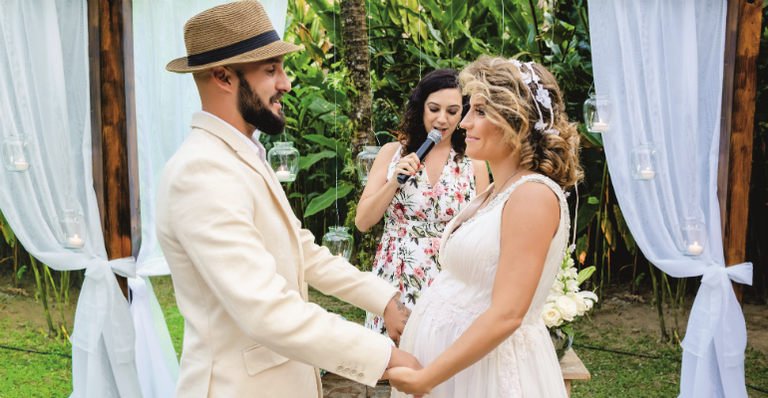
(541, 97)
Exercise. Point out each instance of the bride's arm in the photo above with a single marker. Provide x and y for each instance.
(529, 221)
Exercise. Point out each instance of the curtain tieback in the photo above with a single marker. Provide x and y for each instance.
(717, 311)
(101, 302)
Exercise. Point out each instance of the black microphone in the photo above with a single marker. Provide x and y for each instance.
(433, 138)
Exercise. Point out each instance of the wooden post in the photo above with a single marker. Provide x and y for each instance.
(739, 87)
(113, 121)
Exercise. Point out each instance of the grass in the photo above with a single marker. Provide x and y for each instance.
(24, 375)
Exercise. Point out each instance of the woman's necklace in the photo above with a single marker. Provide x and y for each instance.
(495, 192)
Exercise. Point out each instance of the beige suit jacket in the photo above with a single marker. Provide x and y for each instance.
(240, 260)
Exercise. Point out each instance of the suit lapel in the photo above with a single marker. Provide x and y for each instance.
(217, 128)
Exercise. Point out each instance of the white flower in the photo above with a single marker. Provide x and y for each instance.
(572, 285)
(570, 262)
(557, 288)
(567, 307)
(560, 274)
(552, 297)
(589, 299)
(581, 305)
(572, 273)
(551, 315)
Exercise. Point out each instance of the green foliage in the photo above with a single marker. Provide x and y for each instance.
(406, 43)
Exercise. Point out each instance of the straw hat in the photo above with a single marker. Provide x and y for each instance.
(228, 34)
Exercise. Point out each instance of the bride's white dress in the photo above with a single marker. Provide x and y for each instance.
(524, 365)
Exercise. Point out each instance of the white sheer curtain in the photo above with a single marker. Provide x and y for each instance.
(44, 96)
(661, 63)
(165, 102)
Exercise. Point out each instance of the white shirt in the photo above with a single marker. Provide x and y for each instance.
(252, 142)
(257, 147)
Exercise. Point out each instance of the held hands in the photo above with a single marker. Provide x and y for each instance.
(395, 316)
(401, 367)
(408, 380)
(408, 165)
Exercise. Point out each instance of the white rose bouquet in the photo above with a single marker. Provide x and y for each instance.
(565, 303)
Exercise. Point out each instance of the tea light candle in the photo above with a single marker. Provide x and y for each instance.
(21, 165)
(75, 242)
(695, 249)
(601, 126)
(283, 174)
(647, 174)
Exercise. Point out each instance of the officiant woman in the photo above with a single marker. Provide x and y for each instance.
(415, 213)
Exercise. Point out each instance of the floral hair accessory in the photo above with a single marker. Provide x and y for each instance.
(541, 97)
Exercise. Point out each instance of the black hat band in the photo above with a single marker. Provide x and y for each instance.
(233, 50)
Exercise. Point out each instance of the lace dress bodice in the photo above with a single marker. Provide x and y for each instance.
(469, 259)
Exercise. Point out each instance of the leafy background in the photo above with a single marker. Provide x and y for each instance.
(408, 39)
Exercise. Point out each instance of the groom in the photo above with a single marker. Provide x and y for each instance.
(239, 258)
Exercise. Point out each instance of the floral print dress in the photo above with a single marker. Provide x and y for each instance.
(413, 226)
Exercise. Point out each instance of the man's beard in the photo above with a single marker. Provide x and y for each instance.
(255, 112)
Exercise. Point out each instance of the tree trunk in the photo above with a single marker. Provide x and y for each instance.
(354, 34)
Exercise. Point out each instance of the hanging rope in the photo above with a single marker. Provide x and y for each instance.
(370, 79)
(418, 37)
(335, 113)
(503, 28)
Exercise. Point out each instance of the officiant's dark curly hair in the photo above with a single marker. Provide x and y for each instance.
(509, 105)
(412, 132)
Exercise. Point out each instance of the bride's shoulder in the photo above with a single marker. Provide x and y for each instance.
(542, 185)
(535, 192)
(530, 193)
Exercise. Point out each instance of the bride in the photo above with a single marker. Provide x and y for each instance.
(479, 326)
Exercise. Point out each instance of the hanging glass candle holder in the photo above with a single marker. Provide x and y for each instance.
(73, 229)
(643, 160)
(365, 162)
(694, 236)
(338, 241)
(284, 159)
(597, 113)
(16, 153)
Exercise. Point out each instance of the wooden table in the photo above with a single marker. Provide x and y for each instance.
(335, 386)
(573, 369)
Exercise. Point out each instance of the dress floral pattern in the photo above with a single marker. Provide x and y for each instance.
(407, 256)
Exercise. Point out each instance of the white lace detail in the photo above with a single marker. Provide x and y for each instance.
(541, 96)
(449, 310)
(509, 379)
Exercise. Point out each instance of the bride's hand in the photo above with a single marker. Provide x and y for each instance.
(407, 380)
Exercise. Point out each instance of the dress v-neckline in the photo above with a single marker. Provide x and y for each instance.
(442, 172)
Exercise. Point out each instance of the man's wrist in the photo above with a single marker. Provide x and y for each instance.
(386, 365)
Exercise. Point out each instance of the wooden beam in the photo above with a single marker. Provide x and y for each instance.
(739, 137)
(115, 159)
(729, 66)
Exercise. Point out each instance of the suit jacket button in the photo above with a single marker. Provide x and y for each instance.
(352, 372)
(346, 370)
(340, 368)
(360, 376)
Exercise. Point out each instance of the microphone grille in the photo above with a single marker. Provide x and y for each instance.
(435, 136)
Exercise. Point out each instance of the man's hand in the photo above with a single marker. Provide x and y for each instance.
(395, 316)
(403, 359)
(408, 381)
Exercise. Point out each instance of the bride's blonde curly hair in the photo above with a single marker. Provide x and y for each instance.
(510, 105)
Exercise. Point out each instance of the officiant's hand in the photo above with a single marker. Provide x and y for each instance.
(395, 316)
(408, 381)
